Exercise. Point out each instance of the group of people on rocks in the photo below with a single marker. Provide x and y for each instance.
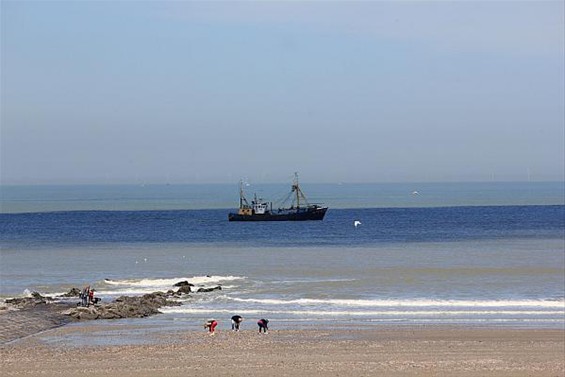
(87, 297)
(236, 320)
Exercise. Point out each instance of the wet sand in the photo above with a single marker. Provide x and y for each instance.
(387, 351)
(17, 324)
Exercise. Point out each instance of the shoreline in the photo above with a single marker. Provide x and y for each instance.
(17, 324)
(387, 350)
(34, 317)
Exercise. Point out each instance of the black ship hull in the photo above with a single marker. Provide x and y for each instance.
(300, 215)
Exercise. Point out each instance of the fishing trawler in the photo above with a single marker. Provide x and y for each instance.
(259, 210)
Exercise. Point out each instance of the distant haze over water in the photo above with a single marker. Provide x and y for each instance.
(16, 199)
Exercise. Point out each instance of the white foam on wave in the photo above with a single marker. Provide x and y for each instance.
(143, 286)
(298, 281)
(126, 292)
(376, 313)
(169, 282)
(411, 303)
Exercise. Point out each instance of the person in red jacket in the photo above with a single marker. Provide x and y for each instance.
(91, 297)
(211, 326)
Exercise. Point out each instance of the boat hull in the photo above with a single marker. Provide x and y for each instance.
(311, 214)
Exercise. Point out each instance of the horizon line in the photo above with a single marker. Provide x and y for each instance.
(273, 183)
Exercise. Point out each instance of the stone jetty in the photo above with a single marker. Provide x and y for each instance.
(124, 307)
(20, 317)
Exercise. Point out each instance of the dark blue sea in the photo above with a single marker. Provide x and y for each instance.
(492, 255)
(378, 226)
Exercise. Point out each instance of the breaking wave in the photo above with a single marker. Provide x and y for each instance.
(557, 304)
(143, 286)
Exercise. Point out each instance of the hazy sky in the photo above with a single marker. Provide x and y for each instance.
(205, 92)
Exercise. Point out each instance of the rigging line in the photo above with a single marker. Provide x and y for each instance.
(281, 203)
(282, 198)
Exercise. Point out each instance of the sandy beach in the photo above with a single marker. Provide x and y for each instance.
(389, 351)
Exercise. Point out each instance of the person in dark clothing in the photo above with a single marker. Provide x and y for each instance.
(235, 322)
(263, 325)
(84, 296)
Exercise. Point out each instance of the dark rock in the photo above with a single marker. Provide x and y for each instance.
(74, 292)
(83, 312)
(125, 307)
(216, 288)
(36, 299)
(183, 283)
(185, 289)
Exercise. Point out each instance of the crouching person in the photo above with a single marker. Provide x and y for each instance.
(235, 322)
(211, 326)
(263, 325)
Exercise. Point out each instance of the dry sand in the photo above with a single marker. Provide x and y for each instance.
(387, 351)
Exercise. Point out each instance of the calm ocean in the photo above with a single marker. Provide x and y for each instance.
(473, 253)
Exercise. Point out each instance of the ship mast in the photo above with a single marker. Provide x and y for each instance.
(242, 196)
(297, 191)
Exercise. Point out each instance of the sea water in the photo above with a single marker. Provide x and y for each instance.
(487, 254)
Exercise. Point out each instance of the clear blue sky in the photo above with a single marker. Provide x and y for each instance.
(206, 92)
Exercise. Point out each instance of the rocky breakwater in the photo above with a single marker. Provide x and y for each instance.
(35, 299)
(125, 307)
(23, 316)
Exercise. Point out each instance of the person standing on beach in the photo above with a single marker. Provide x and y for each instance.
(211, 325)
(235, 322)
(263, 325)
